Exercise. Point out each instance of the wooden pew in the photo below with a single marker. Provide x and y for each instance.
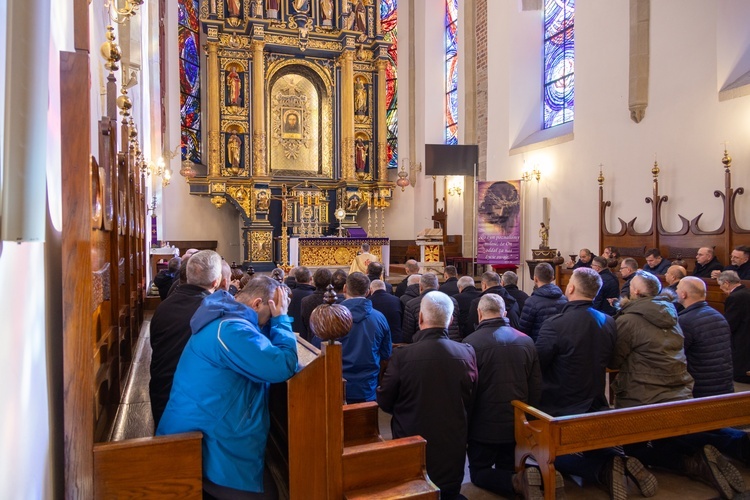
(544, 437)
(319, 448)
(153, 467)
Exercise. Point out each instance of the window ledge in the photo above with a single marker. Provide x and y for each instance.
(544, 139)
(738, 88)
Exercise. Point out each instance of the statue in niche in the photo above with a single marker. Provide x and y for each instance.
(262, 202)
(234, 7)
(234, 88)
(212, 7)
(360, 98)
(234, 146)
(347, 18)
(257, 8)
(360, 155)
(361, 17)
(300, 5)
(353, 205)
(326, 9)
(272, 9)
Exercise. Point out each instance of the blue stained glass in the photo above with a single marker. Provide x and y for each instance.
(189, 50)
(559, 62)
(190, 111)
(191, 145)
(190, 79)
(189, 46)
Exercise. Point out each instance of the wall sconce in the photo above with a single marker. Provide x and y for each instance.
(414, 167)
(526, 176)
(121, 15)
(454, 187)
(158, 169)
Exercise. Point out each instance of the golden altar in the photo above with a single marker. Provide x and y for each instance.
(336, 252)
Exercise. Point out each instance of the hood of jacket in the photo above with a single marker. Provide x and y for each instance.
(220, 304)
(360, 308)
(549, 291)
(659, 310)
(501, 291)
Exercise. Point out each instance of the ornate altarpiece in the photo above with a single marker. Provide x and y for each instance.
(295, 114)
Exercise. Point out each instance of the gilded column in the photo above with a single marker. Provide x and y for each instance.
(214, 167)
(382, 128)
(260, 168)
(347, 115)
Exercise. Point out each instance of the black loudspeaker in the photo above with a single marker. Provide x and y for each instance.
(23, 187)
(444, 159)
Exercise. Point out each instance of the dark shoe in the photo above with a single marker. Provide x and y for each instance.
(718, 461)
(529, 483)
(613, 479)
(703, 466)
(643, 479)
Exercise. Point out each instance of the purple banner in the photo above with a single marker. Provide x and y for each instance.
(154, 239)
(499, 222)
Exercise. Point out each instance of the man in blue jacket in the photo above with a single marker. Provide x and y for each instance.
(238, 348)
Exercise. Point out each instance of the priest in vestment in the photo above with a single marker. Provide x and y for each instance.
(362, 260)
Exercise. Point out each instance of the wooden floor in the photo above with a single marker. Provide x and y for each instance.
(134, 420)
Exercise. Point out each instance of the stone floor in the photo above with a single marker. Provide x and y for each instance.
(134, 420)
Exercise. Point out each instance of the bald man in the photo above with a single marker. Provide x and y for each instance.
(673, 276)
(706, 262)
(708, 346)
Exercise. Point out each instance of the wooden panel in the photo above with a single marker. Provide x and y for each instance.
(78, 370)
(361, 424)
(156, 467)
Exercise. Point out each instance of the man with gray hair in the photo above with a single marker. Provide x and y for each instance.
(412, 290)
(509, 281)
(706, 262)
(737, 313)
(428, 387)
(508, 369)
(238, 348)
(170, 325)
(411, 267)
(491, 284)
(428, 282)
(390, 306)
(467, 292)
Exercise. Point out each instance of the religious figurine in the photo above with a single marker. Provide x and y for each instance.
(257, 8)
(347, 18)
(234, 7)
(234, 85)
(544, 235)
(262, 202)
(353, 205)
(326, 9)
(360, 98)
(234, 144)
(361, 17)
(212, 7)
(300, 5)
(360, 156)
(272, 9)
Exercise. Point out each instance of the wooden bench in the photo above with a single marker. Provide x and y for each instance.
(544, 437)
(152, 467)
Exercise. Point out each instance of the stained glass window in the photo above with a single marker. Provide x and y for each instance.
(451, 71)
(559, 57)
(389, 24)
(190, 79)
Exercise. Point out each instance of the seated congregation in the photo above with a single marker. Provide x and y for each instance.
(450, 361)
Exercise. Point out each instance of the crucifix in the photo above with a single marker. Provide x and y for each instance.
(284, 197)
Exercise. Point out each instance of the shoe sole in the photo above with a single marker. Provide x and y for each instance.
(534, 481)
(729, 472)
(559, 487)
(619, 487)
(643, 479)
(710, 455)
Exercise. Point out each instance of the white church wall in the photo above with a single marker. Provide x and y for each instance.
(685, 124)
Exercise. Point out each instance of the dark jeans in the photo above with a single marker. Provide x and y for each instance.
(213, 491)
(491, 466)
(588, 464)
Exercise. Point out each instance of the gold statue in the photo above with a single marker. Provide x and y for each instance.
(234, 143)
(360, 98)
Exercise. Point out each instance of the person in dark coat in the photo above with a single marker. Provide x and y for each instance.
(467, 293)
(575, 347)
(321, 280)
(170, 325)
(412, 267)
(584, 259)
(610, 290)
(546, 301)
(736, 307)
(708, 345)
(655, 263)
(375, 272)
(428, 282)
(491, 284)
(412, 290)
(164, 278)
(673, 276)
(740, 258)
(706, 262)
(450, 285)
(509, 281)
(508, 369)
(628, 267)
(390, 306)
(338, 280)
(429, 387)
(303, 289)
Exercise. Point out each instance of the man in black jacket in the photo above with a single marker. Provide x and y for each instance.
(375, 272)
(412, 289)
(412, 267)
(429, 387)
(628, 267)
(491, 284)
(467, 293)
(509, 280)
(164, 279)
(545, 301)
(428, 282)
(450, 285)
(736, 307)
(740, 259)
(610, 287)
(321, 280)
(508, 369)
(390, 306)
(302, 290)
(706, 262)
(170, 325)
